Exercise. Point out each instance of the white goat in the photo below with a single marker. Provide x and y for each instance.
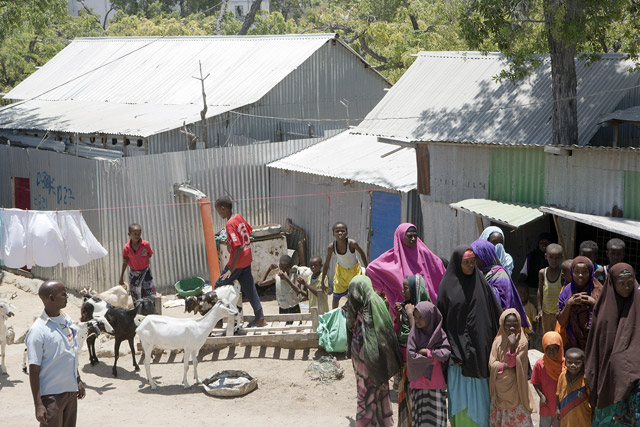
(5, 312)
(170, 333)
(117, 296)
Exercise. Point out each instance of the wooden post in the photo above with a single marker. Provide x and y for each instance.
(314, 317)
(560, 238)
(480, 224)
(616, 134)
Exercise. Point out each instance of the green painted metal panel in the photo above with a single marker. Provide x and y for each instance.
(632, 194)
(517, 175)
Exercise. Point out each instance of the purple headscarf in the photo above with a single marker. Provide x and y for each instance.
(579, 323)
(388, 271)
(499, 279)
(431, 337)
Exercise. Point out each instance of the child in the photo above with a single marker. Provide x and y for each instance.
(573, 407)
(415, 291)
(566, 272)
(511, 400)
(427, 350)
(589, 248)
(529, 309)
(136, 255)
(240, 258)
(615, 253)
(347, 265)
(316, 291)
(549, 288)
(287, 292)
(545, 378)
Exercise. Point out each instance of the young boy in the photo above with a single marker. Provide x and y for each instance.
(549, 288)
(136, 255)
(239, 265)
(566, 272)
(315, 290)
(529, 309)
(615, 253)
(347, 265)
(573, 408)
(287, 291)
(589, 248)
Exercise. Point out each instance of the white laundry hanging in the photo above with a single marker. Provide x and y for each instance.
(44, 239)
(81, 245)
(15, 248)
(47, 238)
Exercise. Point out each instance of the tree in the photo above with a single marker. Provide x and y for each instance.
(34, 15)
(523, 29)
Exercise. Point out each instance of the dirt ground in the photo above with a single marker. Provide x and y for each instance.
(285, 394)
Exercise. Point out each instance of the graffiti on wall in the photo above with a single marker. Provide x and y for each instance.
(53, 195)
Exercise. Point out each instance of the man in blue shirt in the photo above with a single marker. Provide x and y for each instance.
(51, 347)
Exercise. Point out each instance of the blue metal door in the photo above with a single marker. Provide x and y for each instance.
(386, 214)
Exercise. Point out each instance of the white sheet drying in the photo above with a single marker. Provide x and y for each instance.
(47, 238)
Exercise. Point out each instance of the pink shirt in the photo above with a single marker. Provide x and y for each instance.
(138, 259)
(437, 378)
(541, 378)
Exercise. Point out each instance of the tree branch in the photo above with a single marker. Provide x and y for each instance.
(192, 138)
(223, 8)
(249, 17)
(365, 47)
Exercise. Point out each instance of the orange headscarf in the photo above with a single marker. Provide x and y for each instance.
(553, 366)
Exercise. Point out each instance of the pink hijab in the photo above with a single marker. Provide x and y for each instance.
(388, 271)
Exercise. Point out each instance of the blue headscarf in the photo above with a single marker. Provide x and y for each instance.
(505, 259)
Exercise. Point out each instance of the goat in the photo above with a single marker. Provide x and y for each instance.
(117, 296)
(121, 320)
(5, 312)
(203, 303)
(84, 330)
(170, 333)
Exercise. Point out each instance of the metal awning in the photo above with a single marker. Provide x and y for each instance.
(624, 226)
(512, 215)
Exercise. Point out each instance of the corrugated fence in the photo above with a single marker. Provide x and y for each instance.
(140, 189)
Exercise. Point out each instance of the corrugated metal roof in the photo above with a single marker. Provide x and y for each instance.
(629, 115)
(91, 117)
(453, 97)
(144, 85)
(358, 158)
(510, 214)
(626, 227)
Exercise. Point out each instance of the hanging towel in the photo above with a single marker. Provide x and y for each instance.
(81, 245)
(15, 249)
(45, 239)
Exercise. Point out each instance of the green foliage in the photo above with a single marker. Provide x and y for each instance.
(520, 28)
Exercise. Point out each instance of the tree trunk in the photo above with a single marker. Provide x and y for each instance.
(249, 17)
(563, 71)
(223, 8)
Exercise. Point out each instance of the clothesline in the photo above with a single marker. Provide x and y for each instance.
(328, 195)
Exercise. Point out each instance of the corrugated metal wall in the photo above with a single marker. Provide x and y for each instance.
(317, 214)
(140, 189)
(632, 194)
(313, 91)
(589, 181)
(517, 175)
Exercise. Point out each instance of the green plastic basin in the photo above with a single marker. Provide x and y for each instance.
(189, 287)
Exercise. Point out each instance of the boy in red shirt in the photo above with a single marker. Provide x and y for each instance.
(239, 265)
(136, 255)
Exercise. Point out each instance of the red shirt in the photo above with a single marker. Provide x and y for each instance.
(540, 378)
(238, 236)
(138, 259)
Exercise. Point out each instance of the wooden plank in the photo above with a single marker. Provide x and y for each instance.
(272, 340)
(314, 317)
(282, 317)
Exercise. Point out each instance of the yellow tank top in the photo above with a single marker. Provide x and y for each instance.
(550, 293)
